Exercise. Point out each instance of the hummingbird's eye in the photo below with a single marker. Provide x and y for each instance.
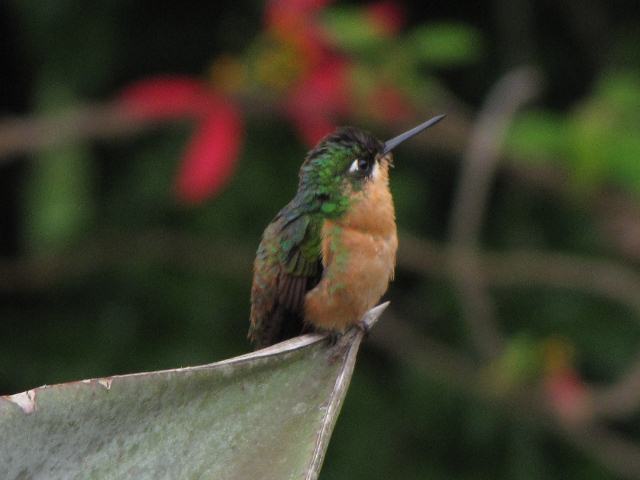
(360, 165)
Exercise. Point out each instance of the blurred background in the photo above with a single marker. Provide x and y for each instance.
(145, 145)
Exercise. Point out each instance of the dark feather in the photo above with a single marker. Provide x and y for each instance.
(283, 274)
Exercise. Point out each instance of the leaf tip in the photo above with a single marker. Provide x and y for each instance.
(372, 316)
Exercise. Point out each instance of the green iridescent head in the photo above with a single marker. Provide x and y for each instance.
(340, 164)
(343, 162)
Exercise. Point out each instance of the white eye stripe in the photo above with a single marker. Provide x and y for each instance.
(354, 166)
(376, 171)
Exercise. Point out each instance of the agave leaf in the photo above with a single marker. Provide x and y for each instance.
(267, 415)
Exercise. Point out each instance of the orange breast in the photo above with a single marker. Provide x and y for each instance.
(359, 254)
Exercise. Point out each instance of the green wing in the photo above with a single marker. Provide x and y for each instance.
(287, 266)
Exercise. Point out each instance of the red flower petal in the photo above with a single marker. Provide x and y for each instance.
(211, 154)
(388, 17)
(319, 99)
(166, 97)
(567, 395)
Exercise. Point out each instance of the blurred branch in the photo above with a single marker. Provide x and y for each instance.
(31, 134)
(113, 250)
(621, 398)
(528, 269)
(479, 165)
(481, 158)
(614, 452)
(618, 217)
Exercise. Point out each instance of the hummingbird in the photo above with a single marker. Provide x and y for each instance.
(328, 256)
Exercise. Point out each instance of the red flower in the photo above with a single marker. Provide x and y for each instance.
(567, 395)
(166, 97)
(211, 155)
(319, 99)
(212, 152)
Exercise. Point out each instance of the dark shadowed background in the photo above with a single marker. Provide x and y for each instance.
(145, 145)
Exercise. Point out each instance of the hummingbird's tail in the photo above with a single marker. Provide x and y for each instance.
(283, 324)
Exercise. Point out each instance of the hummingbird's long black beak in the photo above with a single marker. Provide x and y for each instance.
(395, 141)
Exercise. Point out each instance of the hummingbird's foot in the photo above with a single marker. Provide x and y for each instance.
(333, 337)
(337, 346)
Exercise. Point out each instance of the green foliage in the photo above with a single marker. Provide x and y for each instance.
(58, 199)
(596, 143)
(519, 364)
(446, 44)
(348, 28)
(58, 207)
(436, 45)
(407, 60)
(538, 135)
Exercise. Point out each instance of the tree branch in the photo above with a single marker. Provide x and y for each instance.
(479, 165)
(109, 249)
(32, 134)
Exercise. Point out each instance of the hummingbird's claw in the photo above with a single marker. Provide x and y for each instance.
(333, 337)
